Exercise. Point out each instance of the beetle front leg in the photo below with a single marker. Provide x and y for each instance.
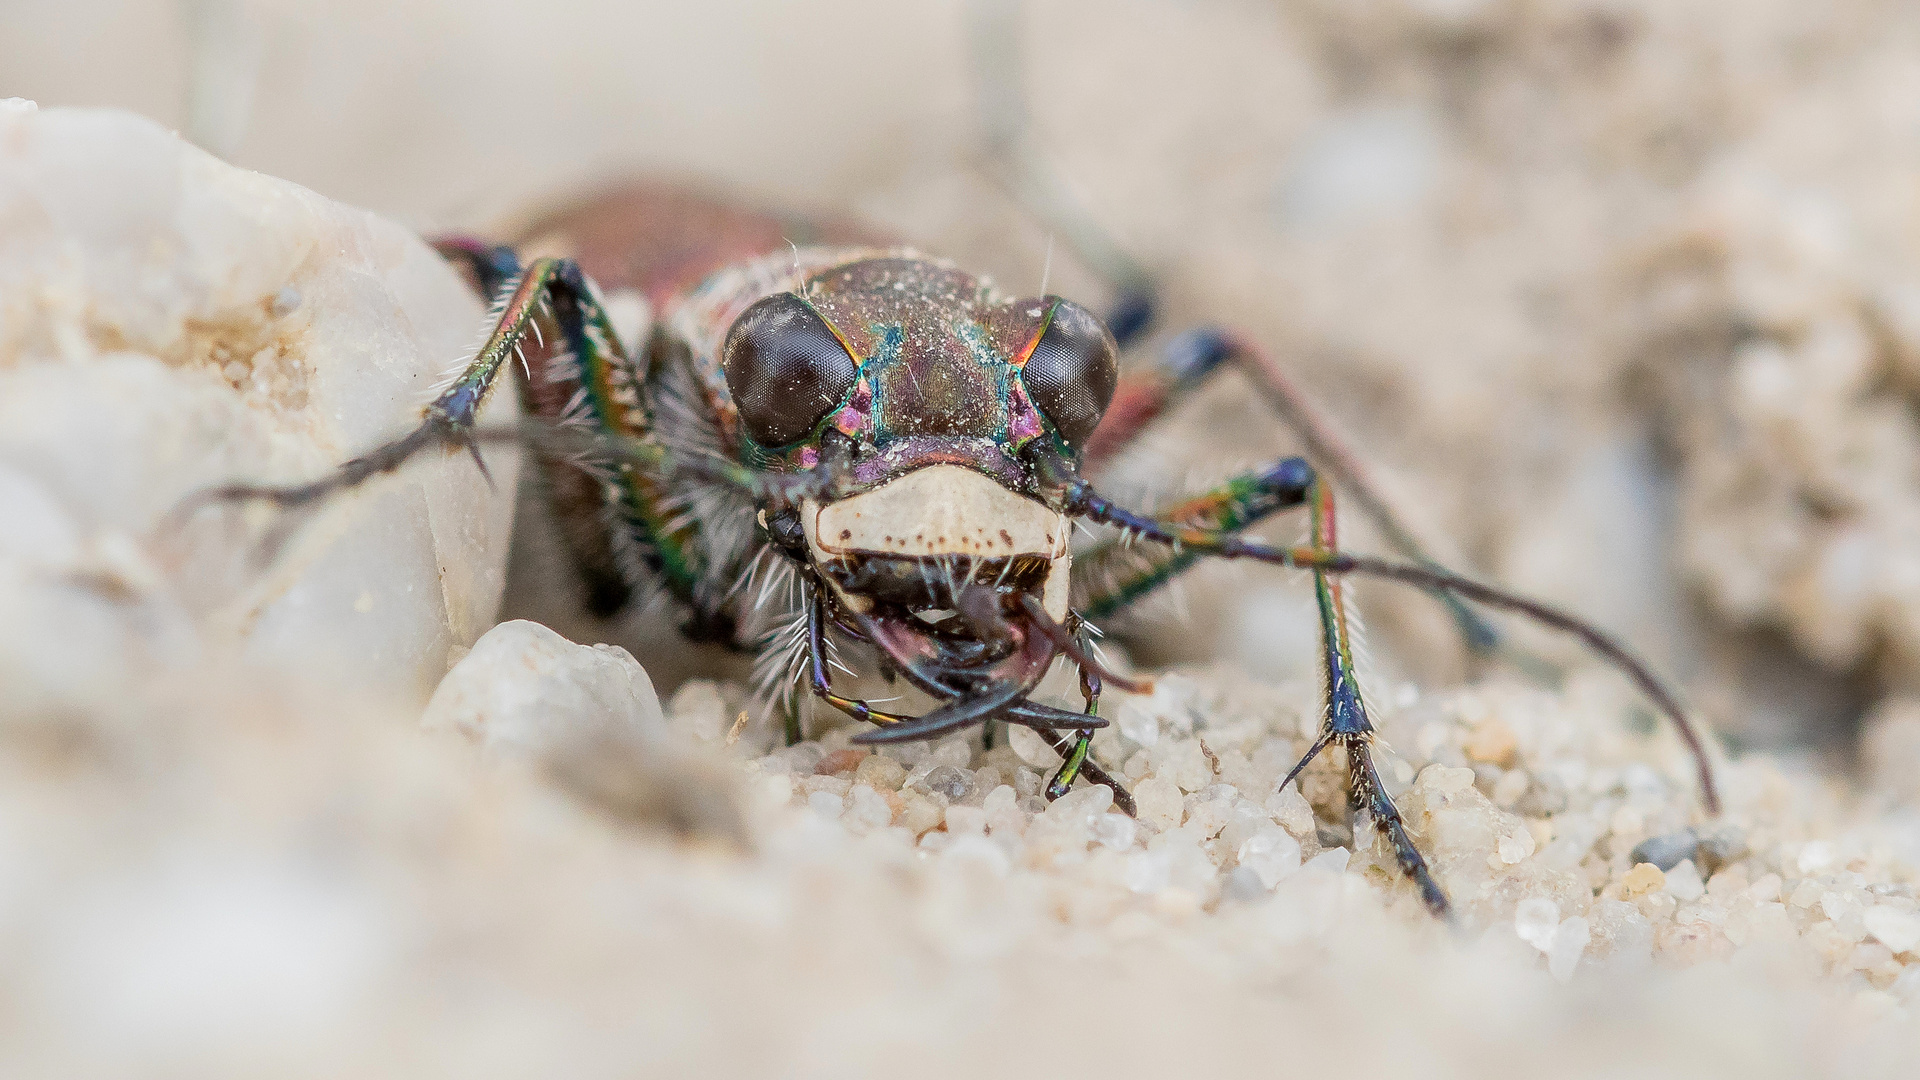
(1115, 574)
(1346, 720)
(1190, 360)
(450, 420)
(1078, 498)
(1071, 765)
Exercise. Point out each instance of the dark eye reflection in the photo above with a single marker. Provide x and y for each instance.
(1072, 371)
(786, 369)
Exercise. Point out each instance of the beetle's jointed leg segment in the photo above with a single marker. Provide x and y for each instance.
(1346, 720)
(1190, 360)
(1118, 574)
(1079, 498)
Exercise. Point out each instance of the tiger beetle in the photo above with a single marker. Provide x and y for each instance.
(898, 454)
(829, 447)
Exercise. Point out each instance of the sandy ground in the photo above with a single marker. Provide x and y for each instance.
(1621, 299)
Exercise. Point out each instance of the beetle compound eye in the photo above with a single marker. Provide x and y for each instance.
(1072, 370)
(786, 369)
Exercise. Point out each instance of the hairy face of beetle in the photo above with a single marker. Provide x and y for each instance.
(918, 363)
(937, 385)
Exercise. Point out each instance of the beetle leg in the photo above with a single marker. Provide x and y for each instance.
(1114, 574)
(996, 39)
(1073, 763)
(491, 266)
(1079, 499)
(1186, 364)
(1346, 719)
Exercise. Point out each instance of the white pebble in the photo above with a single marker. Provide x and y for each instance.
(1508, 789)
(1815, 857)
(1292, 810)
(827, 804)
(953, 751)
(1895, 928)
(1081, 805)
(1030, 747)
(1138, 724)
(1445, 781)
(1569, 944)
(868, 808)
(1272, 853)
(966, 821)
(1159, 802)
(1115, 832)
(1683, 882)
(1516, 846)
(1333, 860)
(1537, 919)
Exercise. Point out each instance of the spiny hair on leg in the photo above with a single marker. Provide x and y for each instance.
(780, 664)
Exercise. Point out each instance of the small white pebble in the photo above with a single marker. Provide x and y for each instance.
(1766, 890)
(1536, 919)
(1159, 802)
(1272, 853)
(867, 808)
(1627, 822)
(1029, 747)
(1895, 928)
(1837, 904)
(1292, 810)
(1137, 724)
(1569, 944)
(285, 302)
(1332, 860)
(827, 804)
(1815, 857)
(966, 820)
(954, 750)
(1516, 846)
(1868, 956)
(1116, 832)
(1081, 805)
(1508, 789)
(1002, 798)
(1683, 882)
(1445, 781)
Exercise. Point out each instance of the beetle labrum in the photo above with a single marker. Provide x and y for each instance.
(904, 451)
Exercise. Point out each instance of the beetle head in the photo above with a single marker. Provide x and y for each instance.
(938, 389)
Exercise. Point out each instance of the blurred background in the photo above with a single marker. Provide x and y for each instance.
(1620, 300)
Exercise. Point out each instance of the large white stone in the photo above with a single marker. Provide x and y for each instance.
(588, 716)
(169, 322)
